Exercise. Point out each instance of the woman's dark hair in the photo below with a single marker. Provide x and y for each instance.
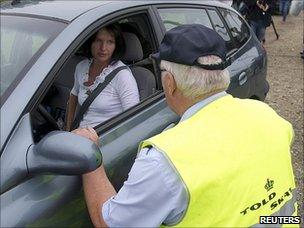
(120, 46)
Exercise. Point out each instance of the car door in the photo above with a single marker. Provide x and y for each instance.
(53, 200)
(176, 14)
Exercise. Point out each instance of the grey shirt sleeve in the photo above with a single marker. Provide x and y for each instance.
(153, 194)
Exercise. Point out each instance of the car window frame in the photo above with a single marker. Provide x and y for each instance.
(77, 43)
(235, 49)
(221, 10)
(244, 21)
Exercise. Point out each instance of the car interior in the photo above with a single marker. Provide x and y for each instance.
(50, 114)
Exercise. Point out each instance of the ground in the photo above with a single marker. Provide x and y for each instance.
(285, 76)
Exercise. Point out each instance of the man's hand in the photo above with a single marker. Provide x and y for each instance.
(88, 132)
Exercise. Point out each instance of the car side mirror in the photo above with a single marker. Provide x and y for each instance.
(63, 153)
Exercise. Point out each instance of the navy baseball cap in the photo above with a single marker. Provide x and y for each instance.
(186, 43)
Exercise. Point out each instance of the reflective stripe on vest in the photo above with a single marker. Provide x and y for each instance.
(234, 157)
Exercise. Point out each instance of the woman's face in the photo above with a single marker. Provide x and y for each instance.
(103, 46)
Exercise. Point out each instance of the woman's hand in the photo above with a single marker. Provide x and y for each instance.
(88, 133)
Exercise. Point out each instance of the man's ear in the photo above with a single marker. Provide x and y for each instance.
(170, 83)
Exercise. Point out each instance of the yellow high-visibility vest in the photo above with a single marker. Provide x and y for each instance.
(234, 158)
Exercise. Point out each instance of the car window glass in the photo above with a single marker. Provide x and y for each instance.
(220, 28)
(237, 27)
(178, 16)
(21, 39)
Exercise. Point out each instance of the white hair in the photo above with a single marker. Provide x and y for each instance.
(195, 82)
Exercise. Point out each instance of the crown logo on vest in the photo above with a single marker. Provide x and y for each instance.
(269, 184)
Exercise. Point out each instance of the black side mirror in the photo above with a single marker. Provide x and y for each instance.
(63, 153)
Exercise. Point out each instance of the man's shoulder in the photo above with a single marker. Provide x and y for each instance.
(160, 167)
(151, 153)
(117, 64)
(156, 161)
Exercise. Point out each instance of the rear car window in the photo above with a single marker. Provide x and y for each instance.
(237, 27)
(173, 17)
(23, 39)
(220, 28)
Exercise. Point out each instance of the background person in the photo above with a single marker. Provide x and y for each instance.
(106, 48)
(284, 7)
(216, 165)
(257, 16)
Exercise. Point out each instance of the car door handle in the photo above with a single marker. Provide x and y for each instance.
(242, 78)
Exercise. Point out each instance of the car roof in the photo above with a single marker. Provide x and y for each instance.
(65, 10)
(69, 10)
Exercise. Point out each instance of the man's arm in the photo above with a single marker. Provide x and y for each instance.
(152, 194)
(97, 190)
(97, 187)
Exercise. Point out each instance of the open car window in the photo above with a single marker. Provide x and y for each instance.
(138, 36)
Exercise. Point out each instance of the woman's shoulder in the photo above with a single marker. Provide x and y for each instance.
(82, 68)
(83, 63)
(123, 75)
(117, 64)
(121, 64)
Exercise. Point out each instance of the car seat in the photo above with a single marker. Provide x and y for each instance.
(134, 53)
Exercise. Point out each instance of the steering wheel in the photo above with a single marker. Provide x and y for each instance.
(48, 117)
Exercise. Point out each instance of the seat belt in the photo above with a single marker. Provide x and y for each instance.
(84, 107)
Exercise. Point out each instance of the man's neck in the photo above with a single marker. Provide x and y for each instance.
(187, 103)
(201, 104)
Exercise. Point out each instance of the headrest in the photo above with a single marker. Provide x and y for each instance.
(134, 50)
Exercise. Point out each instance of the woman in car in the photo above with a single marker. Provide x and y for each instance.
(106, 48)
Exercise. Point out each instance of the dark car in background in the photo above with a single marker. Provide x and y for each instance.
(41, 43)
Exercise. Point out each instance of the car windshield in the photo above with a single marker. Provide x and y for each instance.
(23, 39)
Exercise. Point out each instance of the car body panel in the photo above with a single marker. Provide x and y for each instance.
(53, 9)
(37, 199)
(68, 13)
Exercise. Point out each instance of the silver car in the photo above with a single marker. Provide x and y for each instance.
(41, 43)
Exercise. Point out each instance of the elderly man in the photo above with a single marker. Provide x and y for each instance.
(225, 163)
